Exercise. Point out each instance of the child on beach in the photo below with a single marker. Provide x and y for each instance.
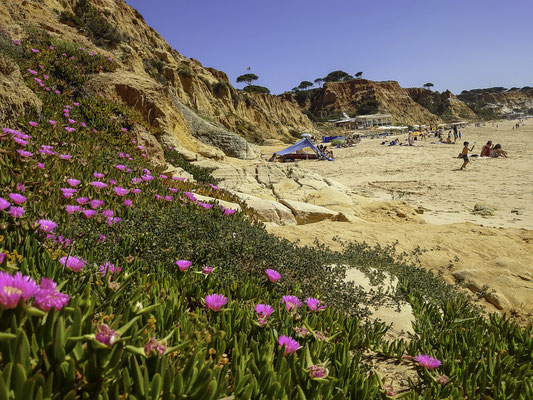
(464, 154)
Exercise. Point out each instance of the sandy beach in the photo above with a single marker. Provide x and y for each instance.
(491, 251)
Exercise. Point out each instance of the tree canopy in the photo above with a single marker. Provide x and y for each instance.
(304, 85)
(247, 78)
(319, 81)
(256, 89)
(428, 85)
(359, 74)
(337, 76)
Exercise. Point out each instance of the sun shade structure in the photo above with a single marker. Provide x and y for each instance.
(290, 152)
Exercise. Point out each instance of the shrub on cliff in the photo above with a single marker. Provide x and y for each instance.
(256, 89)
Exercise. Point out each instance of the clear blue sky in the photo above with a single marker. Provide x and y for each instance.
(456, 44)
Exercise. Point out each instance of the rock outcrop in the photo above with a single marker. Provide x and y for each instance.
(351, 96)
(15, 96)
(496, 101)
(446, 105)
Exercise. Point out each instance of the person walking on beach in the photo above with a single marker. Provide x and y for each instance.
(464, 154)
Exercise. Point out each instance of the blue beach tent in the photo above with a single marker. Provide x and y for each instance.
(290, 151)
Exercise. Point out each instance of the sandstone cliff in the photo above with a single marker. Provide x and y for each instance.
(361, 96)
(153, 77)
(446, 105)
(494, 102)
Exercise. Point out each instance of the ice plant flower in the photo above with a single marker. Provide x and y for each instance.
(214, 187)
(314, 304)
(109, 268)
(292, 302)
(72, 209)
(65, 156)
(89, 213)
(32, 123)
(51, 122)
(96, 203)
(73, 182)
(183, 265)
(17, 198)
(68, 192)
(46, 225)
(47, 296)
(108, 213)
(121, 191)
(207, 270)
(229, 211)
(40, 165)
(127, 202)
(290, 344)
(82, 200)
(263, 312)
(154, 347)
(15, 287)
(24, 153)
(121, 167)
(20, 187)
(98, 175)
(106, 335)
(98, 184)
(427, 362)
(16, 212)
(215, 301)
(318, 371)
(273, 275)
(73, 263)
(4, 203)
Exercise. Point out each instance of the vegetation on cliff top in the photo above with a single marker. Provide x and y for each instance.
(117, 282)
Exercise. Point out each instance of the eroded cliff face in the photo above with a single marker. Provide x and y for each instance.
(446, 105)
(152, 76)
(500, 100)
(361, 96)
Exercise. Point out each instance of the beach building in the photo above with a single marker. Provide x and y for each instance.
(373, 120)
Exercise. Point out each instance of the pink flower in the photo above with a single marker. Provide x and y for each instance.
(207, 270)
(108, 213)
(154, 346)
(120, 167)
(183, 265)
(47, 296)
(121, 191)
(89, 213)
(72, 209)
(4, 203)
(71, 121)
(31, 71)
(136, 191)
(263, 312)
(147, 177)
(73, 182)
(127, 202)
(98, 175)
(21, 187)
(98, 184)
(73, 263)
(109, 268)
(65, 156)
(32, 123)
(16, 212)
(82, 200)
(215, 301)
(13, 288)
(68, 192)
(113, 221)
(24, 153)
(84, 125)
(273, 275)
(101, 238)
(96, 203)
(20, 141)
(106, 335)
(40, 165)
(75, 104)
(427, 361)
(292, 302)
(290, 344)
(314, 304)
(123, 129)
(112, 181)
(46, 225)
(17, 198)
(34, 50)
(214, 187)
(229, 211)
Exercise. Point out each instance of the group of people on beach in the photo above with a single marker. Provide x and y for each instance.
(487, 151)
(325, 150)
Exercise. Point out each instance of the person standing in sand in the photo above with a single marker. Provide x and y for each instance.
(464, 154)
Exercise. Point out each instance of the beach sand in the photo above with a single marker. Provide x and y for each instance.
(494, 251)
